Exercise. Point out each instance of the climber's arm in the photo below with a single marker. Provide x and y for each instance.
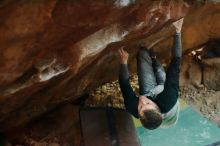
(130, 99)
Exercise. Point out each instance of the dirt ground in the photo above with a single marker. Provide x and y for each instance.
(205, 101)
(202, 100)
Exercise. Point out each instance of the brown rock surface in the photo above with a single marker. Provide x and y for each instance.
(191, 72)
(200, 26)
(212, 73)
(56, 128)
(54, 51)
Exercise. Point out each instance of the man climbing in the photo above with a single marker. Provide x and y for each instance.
(158, 103)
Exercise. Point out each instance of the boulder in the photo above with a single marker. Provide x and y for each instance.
(55, 128)
(191, 72)
(53, 52)
(211, 73)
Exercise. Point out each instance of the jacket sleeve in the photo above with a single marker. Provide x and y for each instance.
(177, 46)
(130, 98)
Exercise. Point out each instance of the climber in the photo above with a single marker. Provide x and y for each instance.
(158, 103)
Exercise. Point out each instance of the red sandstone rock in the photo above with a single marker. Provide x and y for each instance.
(51, 52)
(56, 128)
(201, 27)
(191, 72)
(54, 51)
(211, 73)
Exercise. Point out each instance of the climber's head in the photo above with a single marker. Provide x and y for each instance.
(149, 113)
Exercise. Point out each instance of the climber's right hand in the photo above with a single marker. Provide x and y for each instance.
(123, 56)
(178, 25)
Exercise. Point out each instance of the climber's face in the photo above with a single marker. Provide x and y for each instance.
(146, 104)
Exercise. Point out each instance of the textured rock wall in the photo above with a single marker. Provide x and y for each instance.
(57, 128)
(191, 73)
(200, 31)
(200, 26)
(54, 51)
(211, 68)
